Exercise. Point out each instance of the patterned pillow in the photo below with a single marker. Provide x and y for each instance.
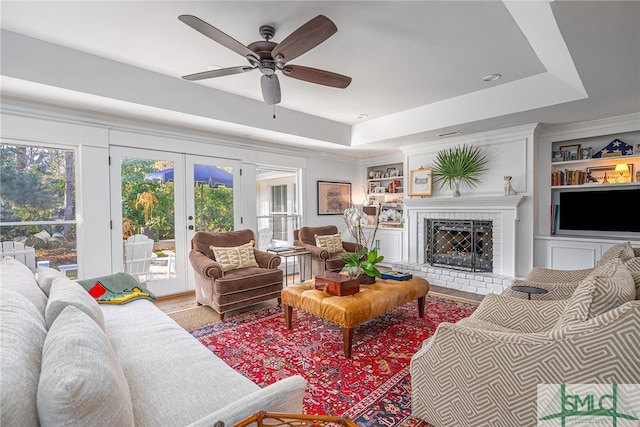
(234, 257)
(81, 379)
(621, 250)
(331, 243)
(633, 265)
(606, 288)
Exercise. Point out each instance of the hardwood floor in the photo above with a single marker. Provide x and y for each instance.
(187, 300)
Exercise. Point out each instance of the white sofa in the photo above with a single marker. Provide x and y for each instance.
(68, 361)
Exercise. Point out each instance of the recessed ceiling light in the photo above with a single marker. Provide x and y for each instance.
(492, 77)
(363, 116)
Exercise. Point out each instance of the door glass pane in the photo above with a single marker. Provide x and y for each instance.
(37, 200)
(148, 212)
(277, 206)
(213, 198)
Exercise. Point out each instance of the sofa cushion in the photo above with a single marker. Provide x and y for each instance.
(22, 336)
(16, 276)
(604, 289)
(45, 276)
(231, 258)
(81, 381)
(633, 265)
(623, 251)
(331, 243)
(65, 292)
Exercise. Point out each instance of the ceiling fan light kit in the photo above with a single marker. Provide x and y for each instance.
(269, 57)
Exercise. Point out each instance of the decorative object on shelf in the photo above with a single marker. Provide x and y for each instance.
(622, 170)
(379, 189)
(508, 188)
(392, 172)
(365, 260)
(390, 215)
(571, 151)
(636, 148)
(373, 186)
(604, 173)
(333, 197)
(585, 153)
(558, 156)
(615, 148)
(458, 165)
(638, 176)
(420, 182)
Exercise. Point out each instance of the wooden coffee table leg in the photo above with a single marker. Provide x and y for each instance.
(347, 336)
(421, 307)
(288, 312)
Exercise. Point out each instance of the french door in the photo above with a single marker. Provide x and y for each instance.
(168, 197)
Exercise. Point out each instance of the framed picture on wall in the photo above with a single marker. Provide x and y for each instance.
(420, 182)
(333, 197)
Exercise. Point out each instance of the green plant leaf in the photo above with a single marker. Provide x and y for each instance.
(463, 163)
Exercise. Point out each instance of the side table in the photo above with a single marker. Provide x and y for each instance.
(529, 290)
(295, 254)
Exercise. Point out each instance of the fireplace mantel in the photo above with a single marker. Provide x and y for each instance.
(466, 202)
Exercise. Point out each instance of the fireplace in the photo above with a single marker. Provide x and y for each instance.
(459, 244)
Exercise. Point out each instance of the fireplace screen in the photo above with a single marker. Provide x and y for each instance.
(459, 244)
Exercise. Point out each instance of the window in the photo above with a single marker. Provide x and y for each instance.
(277, 206)
(37, 200)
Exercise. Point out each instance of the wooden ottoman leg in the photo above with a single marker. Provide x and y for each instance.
(288, 312)
(347, 336)
(421, 307)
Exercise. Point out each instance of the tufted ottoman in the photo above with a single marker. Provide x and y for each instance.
(350, 311)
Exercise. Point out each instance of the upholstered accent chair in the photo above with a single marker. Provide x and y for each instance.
(323, 258)
(230, 273)
(560, 284)
(484, 370)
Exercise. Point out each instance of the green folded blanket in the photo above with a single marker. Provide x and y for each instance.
(119, 288)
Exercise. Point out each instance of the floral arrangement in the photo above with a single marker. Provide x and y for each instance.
(364, 261)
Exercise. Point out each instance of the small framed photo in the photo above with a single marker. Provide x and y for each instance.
(585, 153)
(558, 156)
(377, 174)
(420, 182)
(373, 186)
(636, 148)
(380, 190)
(571, 151)
(392, 172)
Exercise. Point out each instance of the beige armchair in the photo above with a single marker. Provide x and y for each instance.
(242, 277)
(322, 259)
(484, 370)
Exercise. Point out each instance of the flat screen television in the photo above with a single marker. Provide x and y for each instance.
(612, 210)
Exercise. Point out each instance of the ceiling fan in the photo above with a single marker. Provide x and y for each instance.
(269, 57)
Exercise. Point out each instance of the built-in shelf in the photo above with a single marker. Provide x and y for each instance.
(594, 186)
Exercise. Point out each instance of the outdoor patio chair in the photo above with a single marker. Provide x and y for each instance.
(138, 254)
(24, 254)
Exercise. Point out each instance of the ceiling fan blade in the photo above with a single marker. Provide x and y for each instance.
(304, 39)
(270, 89)
(217, 73)
(314, 75)
(216, 35)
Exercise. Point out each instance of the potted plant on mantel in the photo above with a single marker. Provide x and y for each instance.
(363, 263)
(456, 165)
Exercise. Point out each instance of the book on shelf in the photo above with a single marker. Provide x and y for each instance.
(568, 177)
(554, 218)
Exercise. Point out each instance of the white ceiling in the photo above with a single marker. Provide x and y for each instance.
(417, 66)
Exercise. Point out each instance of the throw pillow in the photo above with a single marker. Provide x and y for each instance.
(231, 258)
(81, 381)
(621, 250)
(22, 334)
(45, 277)
(119, 288)
(331, 243)
(16, 276)
(65, 292)
(606, 288)
(633, 265)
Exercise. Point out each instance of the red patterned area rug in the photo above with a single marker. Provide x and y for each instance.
(373, 387)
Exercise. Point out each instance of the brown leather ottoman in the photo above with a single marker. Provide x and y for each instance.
(350, 311)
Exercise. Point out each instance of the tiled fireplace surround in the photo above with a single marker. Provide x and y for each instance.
(501, 210)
